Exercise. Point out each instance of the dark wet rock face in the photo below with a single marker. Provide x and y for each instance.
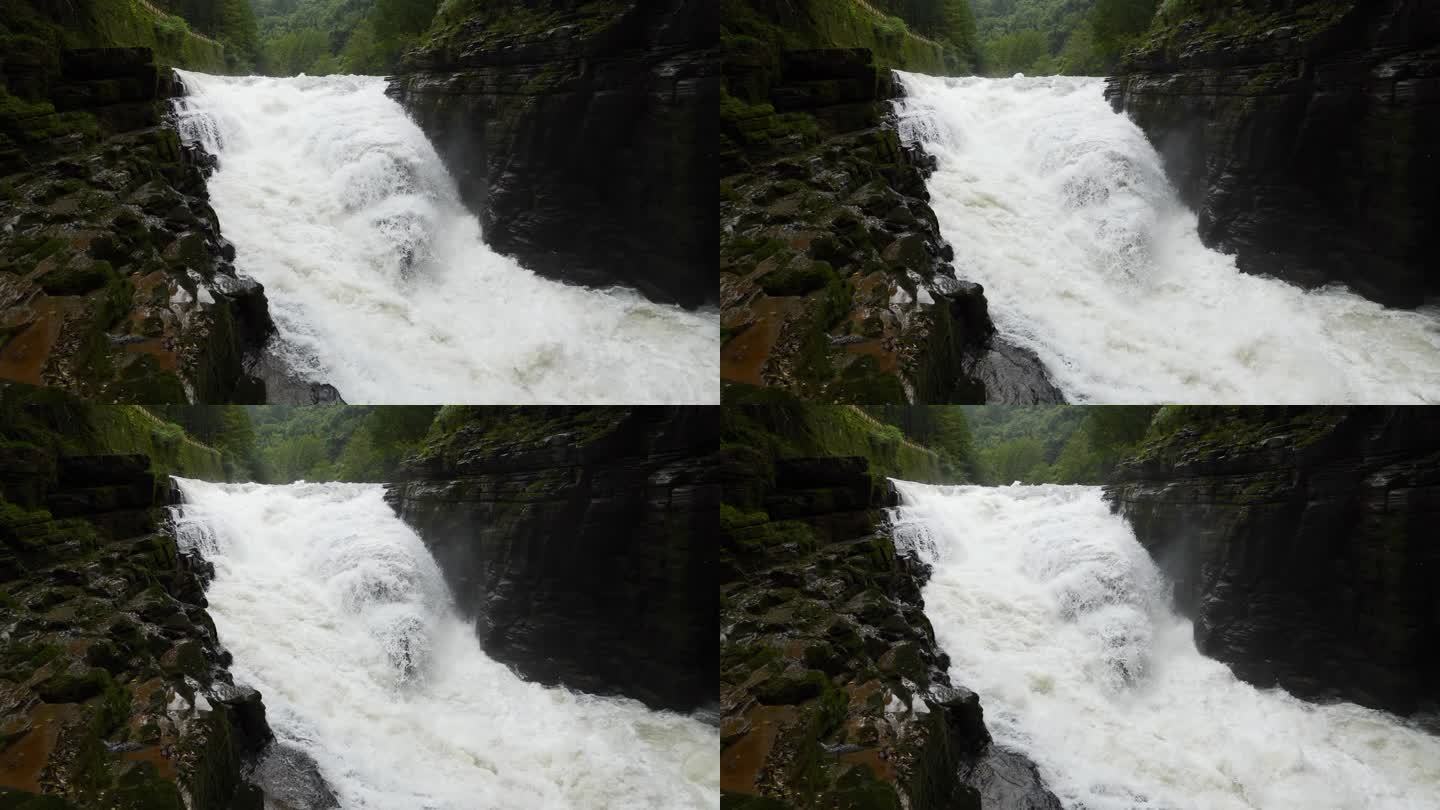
(115, 282)
(833, 690)
(114, 690)
(1304, 134)
(582, 134)
(835, 282)
(582, 540)
(1300, 541)
(1007, 780)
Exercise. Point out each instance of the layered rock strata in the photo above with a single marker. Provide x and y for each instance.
(582, 134)
(115, 282)
(835, 281)
(833, 690)
(581, 539)
(1303, 133)
(114, 689)
(1301, 541)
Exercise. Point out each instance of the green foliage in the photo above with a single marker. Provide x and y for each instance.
(41, 28)
(1058, 444)
(1075, 37)
(335, 442)
(780, 426)
(1117, 23)
(294, 52)
(1015, 53)
(226, 428)
(943, 429)
(902, 34)
(330, 36)
(59, 422)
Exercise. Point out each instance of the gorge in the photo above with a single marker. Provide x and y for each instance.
(1051, 609)
(177, 634)
(366, 666)
(379, 281)
(1062, 210)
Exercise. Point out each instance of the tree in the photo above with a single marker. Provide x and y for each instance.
(1116, 23)
(1016, 52)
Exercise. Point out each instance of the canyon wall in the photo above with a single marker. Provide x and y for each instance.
(582, 134)
(833, 689)
(835, 281)
(1303, 134)
(114, 689)
(115, 282)
(581, 539)
(1301, 542)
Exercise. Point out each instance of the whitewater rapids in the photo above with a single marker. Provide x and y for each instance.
(1060, 207)
(334, 609)
(1052, 611)
(377, 276)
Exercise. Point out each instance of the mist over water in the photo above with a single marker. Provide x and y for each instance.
(335, 611)
(379, 281)
(1052, 611)
(1061, 209)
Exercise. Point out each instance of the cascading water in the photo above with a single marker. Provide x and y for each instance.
(1053, 612)
(335, 611)
(377, 276)
(1061, 209)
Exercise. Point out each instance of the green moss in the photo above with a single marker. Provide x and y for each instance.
(778, 425)
(79, 276)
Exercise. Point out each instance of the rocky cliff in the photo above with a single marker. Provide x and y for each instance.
(1301, 541)
(833, 690)
(115, 282)
(1303, 131)
(581, 539)
(114, 689)
(835, 282)
(582, 134)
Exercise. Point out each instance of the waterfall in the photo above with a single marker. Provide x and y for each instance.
(377, 276)
(1061, 209)
(1052, 611)
(334, 609)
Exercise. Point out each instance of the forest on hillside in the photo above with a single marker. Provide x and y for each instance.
(277, 444)
(1068, 37)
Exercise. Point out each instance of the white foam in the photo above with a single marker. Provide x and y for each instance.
(1061, 209)
(377, 276)
(1053, 612)
(335, 611)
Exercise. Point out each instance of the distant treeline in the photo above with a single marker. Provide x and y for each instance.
(278, 444)
(1069, 37)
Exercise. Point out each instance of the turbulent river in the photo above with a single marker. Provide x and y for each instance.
(1061, 209)
(335, 611)
(1053, 612)
(379, 281)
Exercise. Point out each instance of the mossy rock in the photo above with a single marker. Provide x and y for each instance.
(799, 276)
(792, 686)
(79, 276)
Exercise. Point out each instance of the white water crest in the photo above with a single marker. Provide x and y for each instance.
(336, 612)
(379, 281)
(1060, 207)
(1052, 611)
